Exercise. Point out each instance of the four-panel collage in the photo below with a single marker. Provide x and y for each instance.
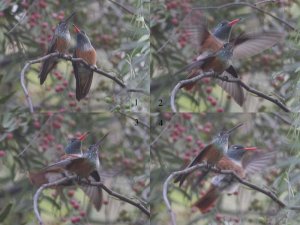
(149, 112)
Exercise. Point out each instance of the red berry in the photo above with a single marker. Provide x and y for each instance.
(208, 90)
(218, 217)
(72, 103)
(82, 213)
(2, 153)
(220, 110)
(9, 136)
(206, 80)
(189, 138)
(71, 94)
(214, 103)
(56, 124)
(187, 116)
(105, 202)
(174, 21)
(37, 124)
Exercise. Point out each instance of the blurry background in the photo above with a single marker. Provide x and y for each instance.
(184, 135)
(117, 30)
(274, 72)
(29, 144)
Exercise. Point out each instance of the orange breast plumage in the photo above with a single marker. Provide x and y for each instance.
(89, 56)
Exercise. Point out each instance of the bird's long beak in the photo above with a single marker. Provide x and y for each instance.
(234, 128)
(69, 17)
(233, 22)
(250, 148)
(83, 136)
(99, 142)
(76, 29)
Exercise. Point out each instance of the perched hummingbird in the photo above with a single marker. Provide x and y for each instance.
(60, 42)
(83, 75)
(235, 161)
(86, 165)
(245, 46)
(212, 153)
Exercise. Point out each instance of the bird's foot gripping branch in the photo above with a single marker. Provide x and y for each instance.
(71, 59)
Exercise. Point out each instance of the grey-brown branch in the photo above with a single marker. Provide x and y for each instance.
(211, 74)
(266, 192)
(99, 184)
(68, 58)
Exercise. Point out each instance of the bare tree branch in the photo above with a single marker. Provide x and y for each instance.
(184, 82)
(256, 92)
(225, 79)
(268, 193)
(99, 184)
(121, 197)
(69, 58)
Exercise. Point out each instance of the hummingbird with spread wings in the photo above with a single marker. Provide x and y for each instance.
(213, 43)
(234, 161)
(212, 153)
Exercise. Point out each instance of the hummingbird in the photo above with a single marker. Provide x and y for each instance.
(234, 160)
(74, 145)
(246, 45)
(60, 42)
(83, 75)
(212, 153)
(45, 176)
(86, 165)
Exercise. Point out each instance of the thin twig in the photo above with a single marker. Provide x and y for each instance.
(68, 58)
(268, 193)
(121, 197)
(256, 92)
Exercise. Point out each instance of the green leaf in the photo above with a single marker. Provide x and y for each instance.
(6, 97)
(5, 212)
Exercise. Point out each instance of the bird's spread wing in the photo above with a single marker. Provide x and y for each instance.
(197, 160)
(194, 28)
(64, 163)
(257, 162)
(248, 45)
(233, 89)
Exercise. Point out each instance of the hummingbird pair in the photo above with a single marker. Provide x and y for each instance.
(85, 165)
(60, 43)
(235, 161)
(216, 52)
(211, 154)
